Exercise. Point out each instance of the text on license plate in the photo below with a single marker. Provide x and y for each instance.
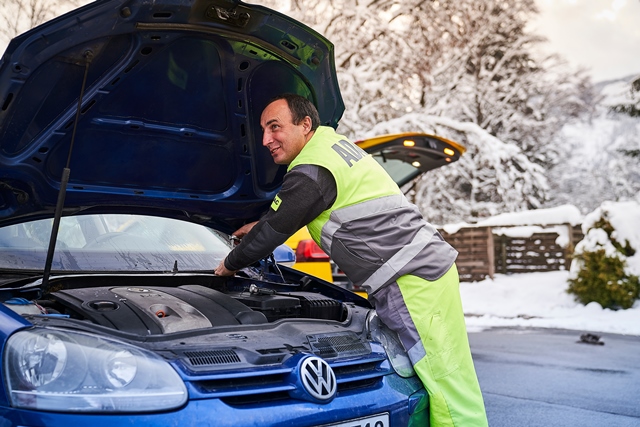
(380, 420)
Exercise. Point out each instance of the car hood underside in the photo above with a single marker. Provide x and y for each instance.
(153, 107)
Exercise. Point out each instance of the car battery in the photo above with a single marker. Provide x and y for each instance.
(274, 307)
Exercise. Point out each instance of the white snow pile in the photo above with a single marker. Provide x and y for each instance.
(539, 300)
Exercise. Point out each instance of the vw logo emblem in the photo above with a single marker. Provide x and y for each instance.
(318, 378)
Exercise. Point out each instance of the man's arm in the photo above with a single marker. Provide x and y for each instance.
(307, 191)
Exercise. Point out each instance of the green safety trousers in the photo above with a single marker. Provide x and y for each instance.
(428, 317)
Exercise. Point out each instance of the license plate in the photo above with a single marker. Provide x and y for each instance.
(380, 420)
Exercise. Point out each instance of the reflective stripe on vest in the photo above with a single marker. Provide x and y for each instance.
(360, 210)
(390, 268)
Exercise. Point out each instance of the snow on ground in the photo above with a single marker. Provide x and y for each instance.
(539, 300)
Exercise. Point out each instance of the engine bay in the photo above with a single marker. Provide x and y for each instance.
(144, 306)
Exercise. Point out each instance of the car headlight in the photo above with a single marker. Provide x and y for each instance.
(67, 371)
(396, 353)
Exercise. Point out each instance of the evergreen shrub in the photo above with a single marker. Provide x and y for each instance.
(602, 279)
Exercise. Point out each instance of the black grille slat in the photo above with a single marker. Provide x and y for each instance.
(262, 398)
(212, 357)
(242, 383)
(338, 345)
(359, 369)
(251, 399)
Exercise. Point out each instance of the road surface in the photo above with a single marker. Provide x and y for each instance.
(546, 377)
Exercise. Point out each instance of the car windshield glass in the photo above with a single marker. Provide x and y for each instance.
(113, 243)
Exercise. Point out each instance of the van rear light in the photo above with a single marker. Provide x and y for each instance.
(309, 251)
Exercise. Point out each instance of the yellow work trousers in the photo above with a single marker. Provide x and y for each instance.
(435, 337)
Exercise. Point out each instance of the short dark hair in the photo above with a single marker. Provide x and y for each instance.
(300, 108)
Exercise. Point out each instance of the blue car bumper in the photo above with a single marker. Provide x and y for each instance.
(397, 397)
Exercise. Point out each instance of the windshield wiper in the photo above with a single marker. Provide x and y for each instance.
(64, 181)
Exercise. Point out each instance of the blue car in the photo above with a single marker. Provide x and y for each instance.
(130, 149)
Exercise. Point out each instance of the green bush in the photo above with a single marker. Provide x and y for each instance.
(602, 279)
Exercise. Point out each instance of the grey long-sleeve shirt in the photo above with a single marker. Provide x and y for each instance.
(307, 191)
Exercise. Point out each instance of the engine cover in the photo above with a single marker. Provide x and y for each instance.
(157, 310)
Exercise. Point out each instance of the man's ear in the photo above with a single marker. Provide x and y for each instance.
(306, 124)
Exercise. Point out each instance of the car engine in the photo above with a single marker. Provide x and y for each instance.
(138, 308)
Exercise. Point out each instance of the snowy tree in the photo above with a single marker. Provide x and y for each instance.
(627, 104)
(18, 16)
(632, 106)
(495, 80)
(373, 56)
(600, 157)
(468, 61)
(490, 178)
(629, 141)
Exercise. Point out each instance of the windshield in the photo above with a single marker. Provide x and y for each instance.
(113, 243)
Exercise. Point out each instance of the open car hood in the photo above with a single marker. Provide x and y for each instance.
(169, 115)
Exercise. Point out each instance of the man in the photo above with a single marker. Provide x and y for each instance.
(359, 216)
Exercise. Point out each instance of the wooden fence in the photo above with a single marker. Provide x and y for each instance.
(476, 254)
(485, 251)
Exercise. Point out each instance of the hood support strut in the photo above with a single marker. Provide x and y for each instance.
(64, 181)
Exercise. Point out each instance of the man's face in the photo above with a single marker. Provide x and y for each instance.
(281, 136)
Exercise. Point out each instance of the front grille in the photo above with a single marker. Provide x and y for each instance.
(269, 384)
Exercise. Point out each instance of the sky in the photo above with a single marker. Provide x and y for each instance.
(602, 35)
(539, 299)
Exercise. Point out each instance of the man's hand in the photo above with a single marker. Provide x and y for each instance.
(221, 270)
(242, 231)
(236, 236)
